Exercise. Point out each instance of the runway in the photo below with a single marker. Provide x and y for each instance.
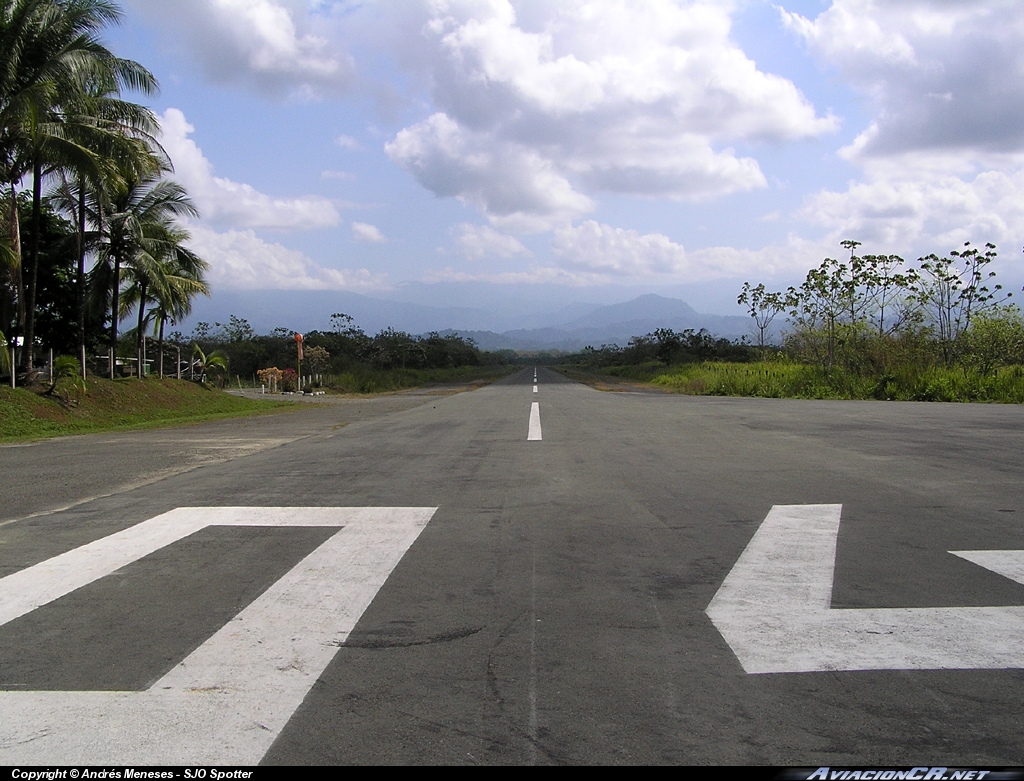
(547, 600)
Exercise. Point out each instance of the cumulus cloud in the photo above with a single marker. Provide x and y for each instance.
(943, 156)
(481, 241)
(538, 113)
(266, 44)
(597, 254)
(233, 204)
(515, 186)
(347, 142)
(792, 258)
(363, 231)
(939, 212)
(239, 260)
(534, 275)
(621, 254)
(941, 76)
(617, 251)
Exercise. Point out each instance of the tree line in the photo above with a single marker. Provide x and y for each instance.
(344, 347)
(874, 313)
(100, 222)
(666, 347)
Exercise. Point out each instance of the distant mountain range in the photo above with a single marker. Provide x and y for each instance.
(568, 327)
(613, 324)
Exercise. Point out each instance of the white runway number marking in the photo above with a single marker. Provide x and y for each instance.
(774, 609)
(534, 433)
(229, 699)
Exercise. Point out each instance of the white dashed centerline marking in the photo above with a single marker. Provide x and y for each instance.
(534, 423)
(534, 388)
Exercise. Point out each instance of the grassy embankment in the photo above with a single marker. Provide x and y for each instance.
(130, 403)
(795, 380)
(120, 404)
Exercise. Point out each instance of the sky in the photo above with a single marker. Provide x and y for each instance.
(586, 149)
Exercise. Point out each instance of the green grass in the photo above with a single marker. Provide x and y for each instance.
(120, 404)
(794, 380)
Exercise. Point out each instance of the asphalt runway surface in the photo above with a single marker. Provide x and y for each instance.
(552, 609)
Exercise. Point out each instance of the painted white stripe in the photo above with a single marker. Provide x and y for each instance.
(774, 609)
(1008, 563)
(228, 700)
(534, 423)
(534, 388)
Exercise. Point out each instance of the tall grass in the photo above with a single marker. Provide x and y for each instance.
(795, 380)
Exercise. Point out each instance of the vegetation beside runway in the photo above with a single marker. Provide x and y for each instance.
(367, 379)
(781, 377)
(342, 359)
(792, 380)
(873, 327)
(74, 407)
(108, 405)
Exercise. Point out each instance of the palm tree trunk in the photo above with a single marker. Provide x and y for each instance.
(141, 333)
(80, 276)
(17, 286)
(163, 317)
(33, 273)
(115, 291)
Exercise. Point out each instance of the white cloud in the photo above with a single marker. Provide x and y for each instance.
(347, 142)
(619, 254)
(263, 43)
(363, 231)
(481, 241)
(602, 248)
(925, 214)
(534, 275)
(790, 259)
(516, 187)
(542, 105)
(233, 204)
(239, 260)
(848, 31)
(941, 76)
(342, 175)
(595, 254)
(943, 155)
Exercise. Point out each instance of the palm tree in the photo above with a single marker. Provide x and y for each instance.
(122, 135)
(5, 355)
(136, 217)
(49, 56)
(183, 281)
(8, 261)
(214, 361)
(166, 274)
